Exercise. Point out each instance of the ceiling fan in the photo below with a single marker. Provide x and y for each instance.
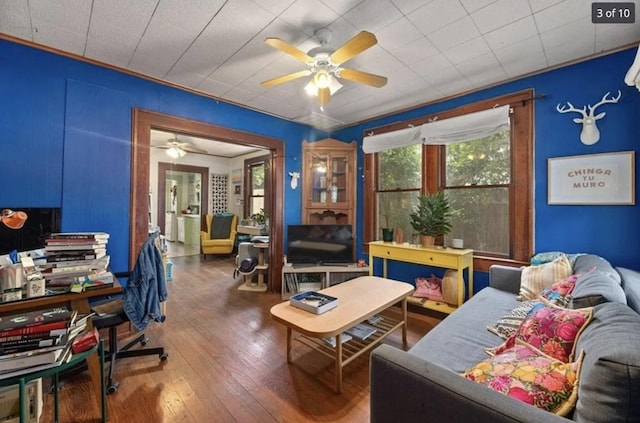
(324, 64)
(176, 148)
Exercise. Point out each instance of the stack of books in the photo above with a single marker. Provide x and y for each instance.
(74, 255)
(37, 340)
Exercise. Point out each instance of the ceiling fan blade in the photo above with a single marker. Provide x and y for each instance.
(362, 77)
(353, 47)
(289, 49)
(324, 95)
(285, 78)
(192, 149)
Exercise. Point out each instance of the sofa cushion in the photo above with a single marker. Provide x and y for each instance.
(550, 329)
(631, 287)
(525, 374)
(595, 287)
(458, 342)
(586, 262)
(510, 322)
(536, 278)
(221, 226)
(610, 376)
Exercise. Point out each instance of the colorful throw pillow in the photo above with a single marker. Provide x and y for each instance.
(549, 256)
(510, 322)
(559, 293)
(430, 288)
(527, 375)
(551, 330)
(534, 279)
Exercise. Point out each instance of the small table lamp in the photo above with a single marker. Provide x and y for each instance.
(13, 219)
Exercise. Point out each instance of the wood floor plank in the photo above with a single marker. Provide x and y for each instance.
(227, 362)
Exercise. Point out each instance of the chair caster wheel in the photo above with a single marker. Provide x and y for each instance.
(163, 357)
(144, 341)
(113, 388)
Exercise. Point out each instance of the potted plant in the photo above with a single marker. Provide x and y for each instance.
(432, 217)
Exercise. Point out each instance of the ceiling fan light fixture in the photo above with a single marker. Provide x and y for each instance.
(322, 79)
(334, 84)
(311, 89)
(175, 152)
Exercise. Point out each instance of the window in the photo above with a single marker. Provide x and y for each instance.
(477, 183)
(399, 183)
(488, 182)
(256, 185)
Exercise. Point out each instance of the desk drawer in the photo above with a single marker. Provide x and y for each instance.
(433, 258)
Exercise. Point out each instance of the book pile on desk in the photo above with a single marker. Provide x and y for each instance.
(37, 340)
(73, 255)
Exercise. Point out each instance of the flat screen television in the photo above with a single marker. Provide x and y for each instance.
(40, 223)
(320, 244)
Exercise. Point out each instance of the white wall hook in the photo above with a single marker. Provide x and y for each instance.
(294, 179)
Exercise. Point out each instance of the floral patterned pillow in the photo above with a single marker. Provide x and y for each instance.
(559, 292)
(525, 374)
(551, 330)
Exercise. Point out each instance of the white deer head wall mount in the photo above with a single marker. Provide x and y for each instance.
(590, 133)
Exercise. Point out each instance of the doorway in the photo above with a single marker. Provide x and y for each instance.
(144, 121)
(181, 205)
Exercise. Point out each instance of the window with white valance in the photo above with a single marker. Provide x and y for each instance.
(479, 154)
(461, 128)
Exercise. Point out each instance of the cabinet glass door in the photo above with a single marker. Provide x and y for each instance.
(319, 177)
(338, 185)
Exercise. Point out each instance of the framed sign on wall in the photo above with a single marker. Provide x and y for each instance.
(607, 178)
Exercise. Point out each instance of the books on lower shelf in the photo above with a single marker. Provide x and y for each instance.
(331, 341)
(361, 331)
(314, 302)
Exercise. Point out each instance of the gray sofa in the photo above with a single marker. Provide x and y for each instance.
(424, 383)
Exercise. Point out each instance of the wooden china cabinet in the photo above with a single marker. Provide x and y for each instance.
(328, 182)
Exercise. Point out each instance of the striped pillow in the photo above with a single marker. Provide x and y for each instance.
(535, 279)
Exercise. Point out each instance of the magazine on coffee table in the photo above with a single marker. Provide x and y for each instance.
(361, 331)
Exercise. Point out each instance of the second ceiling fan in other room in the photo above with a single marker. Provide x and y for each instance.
(324, 64)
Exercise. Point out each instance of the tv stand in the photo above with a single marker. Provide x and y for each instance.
(309, 277)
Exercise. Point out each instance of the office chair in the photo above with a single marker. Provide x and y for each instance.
(142, 301)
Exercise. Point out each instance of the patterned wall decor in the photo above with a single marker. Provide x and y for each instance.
(219, 193)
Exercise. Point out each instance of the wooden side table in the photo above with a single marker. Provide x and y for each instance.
(23, 379)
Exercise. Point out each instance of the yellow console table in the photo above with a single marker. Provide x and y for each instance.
(448, 258)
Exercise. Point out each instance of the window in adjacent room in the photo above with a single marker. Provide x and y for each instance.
(256, 185)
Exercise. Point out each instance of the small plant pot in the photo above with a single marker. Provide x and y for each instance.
(387, 234)
(427, 240)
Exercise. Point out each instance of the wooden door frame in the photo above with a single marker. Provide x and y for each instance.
(142, 123)
(163, 168)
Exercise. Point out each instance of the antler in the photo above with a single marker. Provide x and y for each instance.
(604, 101)
(572, 109)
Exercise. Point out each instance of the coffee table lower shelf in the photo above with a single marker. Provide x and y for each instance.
(345, 353)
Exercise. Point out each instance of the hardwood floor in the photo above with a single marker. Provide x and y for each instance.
(226, 363)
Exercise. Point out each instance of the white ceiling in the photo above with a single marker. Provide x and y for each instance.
(161, 139)
(428, 49)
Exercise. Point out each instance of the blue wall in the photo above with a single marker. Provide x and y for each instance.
(66, 134)
(610, 231)
(66, 138)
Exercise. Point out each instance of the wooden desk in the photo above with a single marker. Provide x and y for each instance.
(77, 301)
